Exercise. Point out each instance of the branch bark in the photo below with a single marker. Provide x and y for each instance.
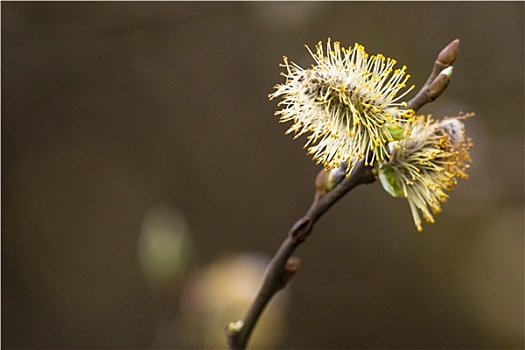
(283, 265)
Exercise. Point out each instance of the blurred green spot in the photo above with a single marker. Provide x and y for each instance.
(164, 245)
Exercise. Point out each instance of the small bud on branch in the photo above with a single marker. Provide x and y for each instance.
(448, 55)
(430, 90)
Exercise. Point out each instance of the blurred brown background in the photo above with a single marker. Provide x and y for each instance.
(140, 153)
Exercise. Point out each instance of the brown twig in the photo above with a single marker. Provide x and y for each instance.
(283, 265)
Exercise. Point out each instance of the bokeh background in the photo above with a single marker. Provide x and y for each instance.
(146, 182)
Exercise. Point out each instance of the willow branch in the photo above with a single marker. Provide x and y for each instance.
(283, 265)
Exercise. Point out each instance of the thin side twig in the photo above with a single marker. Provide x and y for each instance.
(283, 265)
(436, 82)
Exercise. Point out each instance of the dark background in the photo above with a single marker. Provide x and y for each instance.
(113, 110)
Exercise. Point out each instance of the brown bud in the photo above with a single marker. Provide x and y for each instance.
(439, 84)
(293, 264)
(326, 180)
(448, 55)
(321, 181)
